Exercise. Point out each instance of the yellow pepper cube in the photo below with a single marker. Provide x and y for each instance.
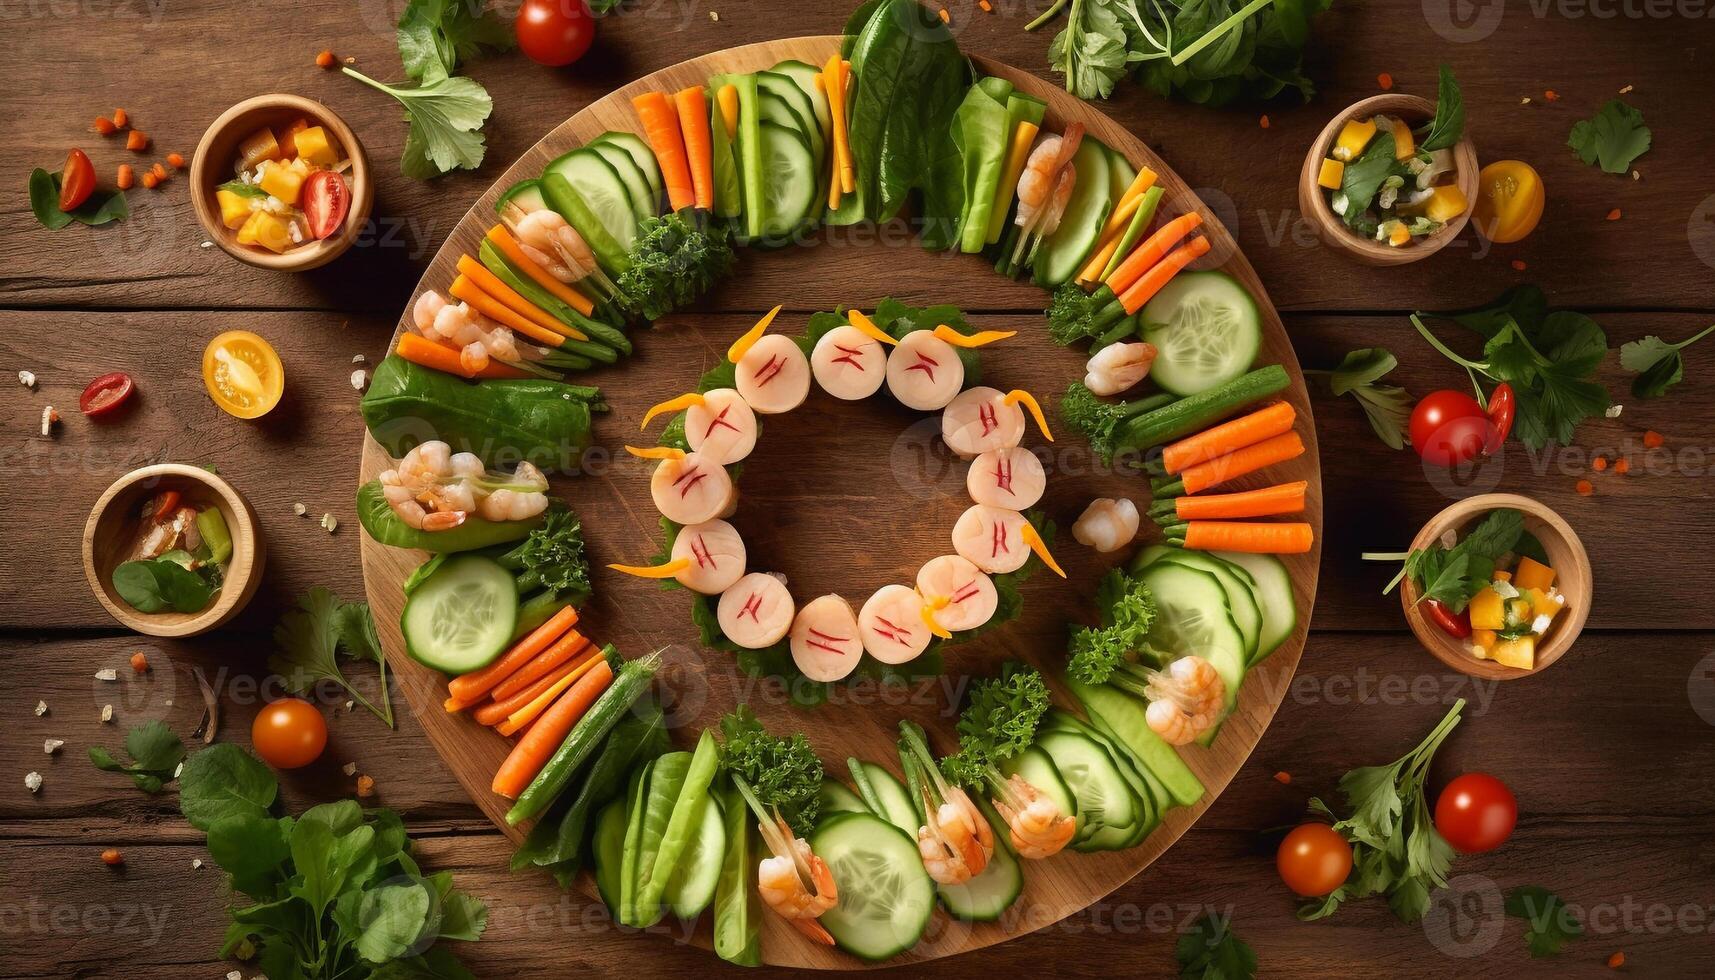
(266, 230)
(1331, 174)
(1482, 641)
(1542, 604)
(234, 208)
(1519, 653)
(1398, 234)
(1532, 574)
(1404, 145)
(1488, 610)
(314, 146)
(1354, 136)
(1446, 202)
(283, 182)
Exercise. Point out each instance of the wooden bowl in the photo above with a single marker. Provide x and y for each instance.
(212, 166)
(1313, 200)
(112, 531)
(1572, 575)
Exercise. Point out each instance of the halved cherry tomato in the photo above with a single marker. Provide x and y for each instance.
(1509, 200)
(77, 180)
(105, 394)
(1456, 625)
(554, 32)
(165, 504)
(325, 200)
(243, 374)
(1502, 407)
(1313, 860)
(1476, 813)
(1449, 427)
(289, 733)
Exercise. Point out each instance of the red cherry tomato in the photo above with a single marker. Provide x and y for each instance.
(289, 733)
(105, 394)
(77, 180)
(1448, 427)
(1456, 625)
(1313, 860)
(554, 32)
(1476, 813)
(325, 200)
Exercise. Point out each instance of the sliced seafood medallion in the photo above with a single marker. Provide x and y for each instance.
(849, 364)
(979, 420)
(825, 643)
(756, 611)
(891, 624)
(924, 372)
(965, 596)
(716, 553)
(991, 538)
(774, 375)
(690, 489)
(723, 428)
(1010, 478)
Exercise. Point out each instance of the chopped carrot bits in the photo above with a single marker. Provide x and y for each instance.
(1551, 96)
(365, 786)
(1283, 777)
(112, 857)
(324, 59)
(1622, 466)
(1385, 81)
(1599, 464)
(1653, 439)
(150, 180)
(1614, 215)
(946, 18)
(104, 126)
(127, 177)
(1263, 122)
(137, 141)
(159, 171)
(176, 161)
(121, 118)
(1616, 961)
(1518, 265)
(1585, 488)
(988, 8)
(140, 661)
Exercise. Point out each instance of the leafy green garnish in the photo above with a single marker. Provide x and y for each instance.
(552, 559)
(1072, 314)
(1396, 850)
(1100, 422)
(1657, 363)
(155, 753)
(1453, 576)
(446, 117)
(783, 773)
(1211, 951)
(1550, 923)
(242, 189)
(1388, 407)
(99, 209)
(1363, 177)
(311, 638)
(1128, 611)
(1003, 711)
(224, 781)
(152, 585)
(675, 259)
(1449, 122)
(434, 35)
(1612, 138)
(1091, 50)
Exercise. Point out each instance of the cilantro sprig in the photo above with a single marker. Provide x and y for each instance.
(1658, 364)
(1210, 950)
(1612, 139)
(312, 637)
(1388, 407)
(155, 754)
(1549, 923)
(1453, 576)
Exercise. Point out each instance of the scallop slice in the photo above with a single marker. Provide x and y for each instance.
(723, 428)
(849, 364)
(992, 538)
(756, 611)
(825, 643)
(716, 555)
(924, 372)
(965, 595)
(774, 375)
(981, 419)
(1009, 478)
(891, 625)
(690, 489)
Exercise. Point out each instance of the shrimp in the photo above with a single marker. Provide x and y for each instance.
(1047, 181)
(551, 242)
(427, 492)
(1118, 367)
(523, 497)
(424, 311)
(1038, 827)
(1188, 698)
(404, 504)
(956, 841)
(794, 882)
(464, 327)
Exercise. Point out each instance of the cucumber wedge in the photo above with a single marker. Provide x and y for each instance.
(1240, 589)
(1273, 594)
(886, 898)
(527, 194)
(1193, 617)
(1108, 812)
(885, 796)
(603, 193)
(835, 798)
(789, 182)
(1036, 768)
(1071, 244)
(692, 885)
(805, 76)
(1122, 715)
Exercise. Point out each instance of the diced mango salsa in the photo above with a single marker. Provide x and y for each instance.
(1482, 641)
(314, 146)
(257, 147)
(1398, 234)
(1519, 653)
(1488, 611)
(1404, 146)
(1354, 136)
(289, 138)
(234, 208)
(1532, 574)
(1501, 575)
(1542, 604)
(1446, 202)
(282, 181)
(1331, 174)
(267, 230)
(1519, 611)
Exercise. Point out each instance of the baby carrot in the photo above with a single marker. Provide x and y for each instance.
(489, 283)
(1264, 423)
(563, 292)
(551, 728)
(126, 177)
(1283, 498)
(527, 714)
(661, 125)
(1151, 282)
(1254, 538)
(136, 141)
(422, 351)
(479, 682)
(1151, 251)
(465, 288)
(567, 647)
(693, 106)
(1241, 462)
(492, 712)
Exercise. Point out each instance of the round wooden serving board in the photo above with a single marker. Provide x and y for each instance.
(847, 497)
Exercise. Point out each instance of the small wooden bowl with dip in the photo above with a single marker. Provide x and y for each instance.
(117, 524)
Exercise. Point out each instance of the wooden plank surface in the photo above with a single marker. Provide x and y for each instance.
(1607, 751)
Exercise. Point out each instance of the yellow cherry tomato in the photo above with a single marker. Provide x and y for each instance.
(243, 374)
(1509, 200)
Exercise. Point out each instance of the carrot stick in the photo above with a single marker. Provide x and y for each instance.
(1133, 196)
(494, 712)
(836, 190)
(551, 728)
(508, 246)
(522, 718)
(489, 283)
(1092, 271)
(727, 99)
(566, 648)
(423, 351)
(1264, 423)
(1283, 498)
(1254, 538)
(1151, 282)
(465, 288)
(479, 682)
(1241, 462)
(835, 75)
(1150, 250)
(693, 106)
(661, 125)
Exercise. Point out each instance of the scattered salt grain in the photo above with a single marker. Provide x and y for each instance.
(359, 378)
(207, 245)
(1524, 101)
(350, 769)
(52, 745)
(1626, 91)
(50, 418)
(178, 770)
(27, 379)
(107, 674)
(350, 705)
(357, 358)
(714, 16)
(33, 782)
(235, 975)
(1613, 411)
(107, 714)
(196, 864)
(300, 509)
(41, 708)
(329, 523)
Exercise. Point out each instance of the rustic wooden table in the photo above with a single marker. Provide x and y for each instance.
(1609, 752)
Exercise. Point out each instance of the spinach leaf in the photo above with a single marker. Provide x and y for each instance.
(99, 209)
(1449, 122)
(225, 781)
(160, 584)
(1363, 177)
(1658, 364)
(1612, 138)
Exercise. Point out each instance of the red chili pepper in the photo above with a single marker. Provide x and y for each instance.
(1502, 406)
(1456, 625)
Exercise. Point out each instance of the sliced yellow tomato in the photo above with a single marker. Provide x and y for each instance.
(1509, 200)
(243, 374)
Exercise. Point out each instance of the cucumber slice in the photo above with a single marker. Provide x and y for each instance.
(1192, 617)
(786, 88)
(1241, 593)
(1120, 176)
(637, 187)
(1141, 787)
(885, 797)
(1105, 800)
(789, 181)
(603, 194)
(641, 155)
(1274, 595)
(1070, 246)
(986, 896)
(692, 885)
(805, 76)
(608, 844)
(835, 798)
(1206, 331)
(461, 617)
(1122, 716)
(527, 194)
(886, 898)
(1035, 767)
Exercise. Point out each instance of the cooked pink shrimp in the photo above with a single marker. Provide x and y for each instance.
(1188, 700)
(434, 489)
(955, 840)
(1037, 825)
(462, 326)
(1047, 181)
(424, 311)
(550, 241)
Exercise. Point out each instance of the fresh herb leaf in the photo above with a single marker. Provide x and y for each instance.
(782, 772)
(1363, 177)
(1128, 611)
(1453, 576)
(155, 753)
(446, 117)
(311, 638)
(1449, 122)
(1211, 951)
(1550, 923)
(1003, 711)
(242, 189)
(1388, 407)
(1612, 138)
(1091, 49)
(435, 35)
(225, 781)
(1657, 363)
(99, 209)
(674, 260)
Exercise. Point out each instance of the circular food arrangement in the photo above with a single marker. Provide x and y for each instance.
(795, 770)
